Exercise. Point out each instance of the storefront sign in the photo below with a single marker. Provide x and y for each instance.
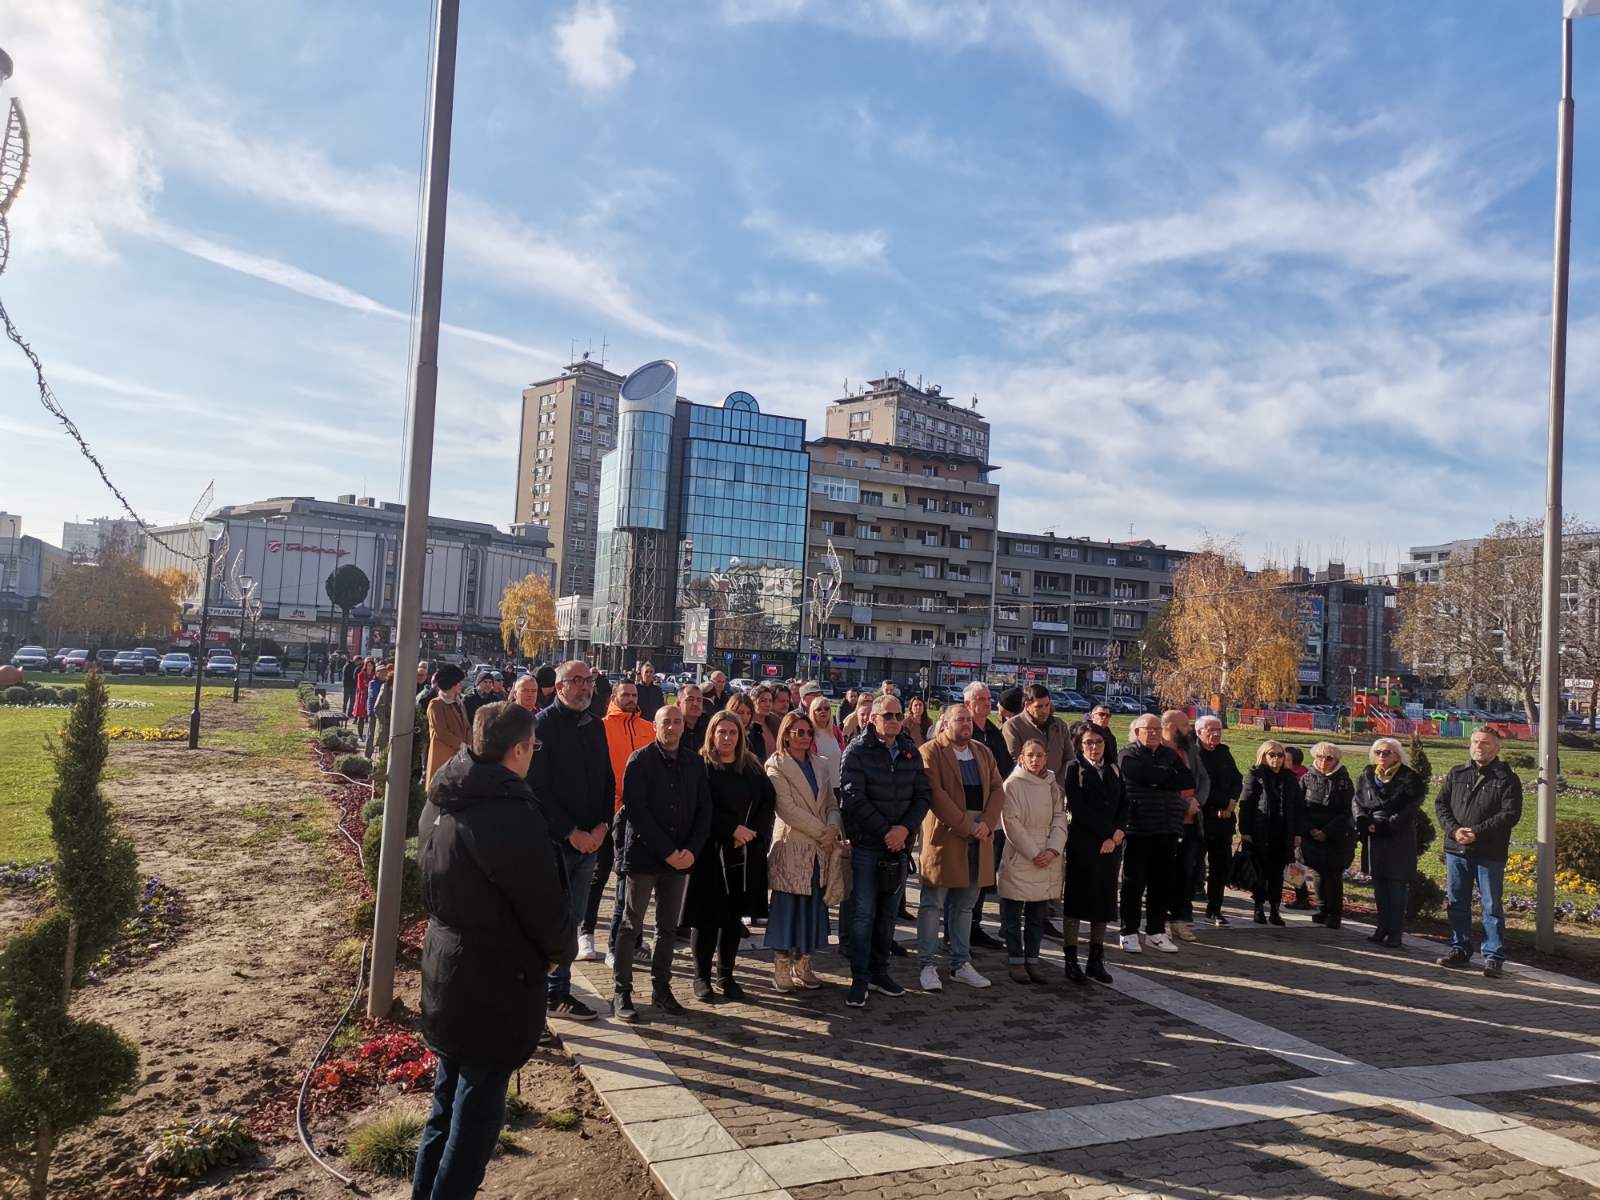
(275, 546)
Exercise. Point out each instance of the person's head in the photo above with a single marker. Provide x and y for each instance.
(669, 727)
(386, 671)
(956, 722)
(486, 685)
(1010, 703)
(1296, 756)
(1100, 715)
(742, 707)
(978, 701)
(625, 696)
(724, 738)
(526, 692)
(1037, 703)
(1209, 730)
(422, 671)
(762, 699)
(574, 685)
(693, 702)
(887, 717)
(888, 688)
(1385, 753)
(1147, 730)
(917, 707)
(864, 707)
(503, 733)
(1484, 747)
(450, 679)
(1035, 759)
(1092, 743)
(796, 735)
(647, 673)
(1175, 727)
(780, 698)
(545, 677)
(1325, 758)
(850, 697)
(719, 682)
(820, 710)
(1272, 755)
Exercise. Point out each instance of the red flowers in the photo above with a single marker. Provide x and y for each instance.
(399, 1058)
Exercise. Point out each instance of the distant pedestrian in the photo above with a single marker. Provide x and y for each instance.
(380, 705)
(1388, 795)
(801, 863)
(858, 718)
(716, 692)
(348, 674)
(365, 674)
(448, 727)
(498, 919)
(651, 697)
(1479, 804)
(1035, 822)
(1098, 805)
(1329, 844)
(626, 731)
(1271, 816)
(545, 678)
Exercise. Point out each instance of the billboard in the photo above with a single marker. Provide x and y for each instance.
(696, 635)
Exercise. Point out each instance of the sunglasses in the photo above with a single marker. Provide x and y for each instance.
(1274, 753)
(892, 716)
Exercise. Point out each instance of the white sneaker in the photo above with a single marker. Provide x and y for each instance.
(586, 950)
(611, 958)
(1163, 943)
(968, 974)
(929, 980)
(1130, 943)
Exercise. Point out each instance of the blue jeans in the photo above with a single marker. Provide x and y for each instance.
(1391, 895)
(1461, 871)
(930, 907)
(580, 869)
(999, 840)
(1022, 926)
(872, 915)
(469, 1106)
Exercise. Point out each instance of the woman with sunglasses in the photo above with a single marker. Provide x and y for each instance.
(801, 862)
(1271, 815)
(1330, 836)
(1388, 795)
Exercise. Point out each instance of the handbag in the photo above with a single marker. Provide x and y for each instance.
(837, 889)
(1243, 873)
(891, 873)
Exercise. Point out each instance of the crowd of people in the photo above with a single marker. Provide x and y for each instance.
(735, 811)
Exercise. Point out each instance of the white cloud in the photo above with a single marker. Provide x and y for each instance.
(780, 297)
(856, 251)
(587, 44)
(91, 174)
(1112, 57)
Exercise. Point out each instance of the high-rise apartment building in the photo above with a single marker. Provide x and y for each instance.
(892, 412)
(569, 422)
(915, 534)
(83, 539)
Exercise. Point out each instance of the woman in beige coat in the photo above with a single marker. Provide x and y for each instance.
(448, 726)
(800, 863)
(1034, 819)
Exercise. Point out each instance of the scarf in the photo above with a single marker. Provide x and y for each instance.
(1387, 773)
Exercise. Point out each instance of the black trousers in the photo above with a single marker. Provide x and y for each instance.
(1219, 860)
(604, 858)
(721, 943)
(1148, 869)
(1188, 867)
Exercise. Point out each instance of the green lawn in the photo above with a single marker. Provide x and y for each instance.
(75, 679)
(28, 775)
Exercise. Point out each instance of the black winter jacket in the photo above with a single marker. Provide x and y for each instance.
(1155, 780)
(494, 890)
(666, 806)
(571, 772)
(1386, 819)
(996, 741)
(1271, 808)
(1225, 784)
(1097, 801)
(1487, 801)
(1330, 806)
(651, 697)
(881, 785)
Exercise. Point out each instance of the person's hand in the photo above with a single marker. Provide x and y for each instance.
(680, 860)
(1228, 811)
(1109, 846)
(1044, 858)
(1319, 835)
(1465, 836)
(981, 831)
(582, 842)
(743, 836)
(895, 839)
(600, 832)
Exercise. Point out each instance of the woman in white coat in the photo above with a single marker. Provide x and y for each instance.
(1035, 823)
(800, 863)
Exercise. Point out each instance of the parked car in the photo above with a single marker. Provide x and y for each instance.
(742, 684)
(152, 657)
(104, 658)
(76, 660)
(31, 658)
(266, 664)
(221, 664)
(176, 664)
(128, 662)
(1067, 700)
(58, 660)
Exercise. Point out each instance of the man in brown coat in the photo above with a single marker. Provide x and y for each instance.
(957, 851)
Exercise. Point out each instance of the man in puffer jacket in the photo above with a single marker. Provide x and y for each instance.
(1155, 778)
(1478, 806)
(884, 796)
(494, 891)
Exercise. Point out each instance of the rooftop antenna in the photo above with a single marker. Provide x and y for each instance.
(1130, 529)
(603, 345)
(572, 350)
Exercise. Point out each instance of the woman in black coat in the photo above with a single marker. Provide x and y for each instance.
(1098, 807)
(1329, 843)
(728, 881)
(1388, 795)
(1270, 819)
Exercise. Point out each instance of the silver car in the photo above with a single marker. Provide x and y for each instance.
(31, 658)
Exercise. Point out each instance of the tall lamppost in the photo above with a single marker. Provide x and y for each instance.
(826, 588)
(247, 589)
(213, 532)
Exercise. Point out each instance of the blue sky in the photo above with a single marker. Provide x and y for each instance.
(1273, 272)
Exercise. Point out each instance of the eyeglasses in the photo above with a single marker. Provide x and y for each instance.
(1274, 753)
(580, 680)
(805, 733)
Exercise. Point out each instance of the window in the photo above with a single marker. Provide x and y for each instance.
(1027, 549)
(583, 435)
(1048, 645)
(873, 498)
(863, 633)
(834, 527)
(1088, 585)
(844, 490)
(586, 398)
(923, 637)
(928, 570)
(1067, 553)
(1111, 560)
(931, 471)
(1007, 612)
(585, 417)
(1124, 620)
(927, 604)
(867, 566)
(870, 533)
(586, 453)
(1011, 581)
(580, 487)
(1356, 596)
(930, 537)
(1088, 649)
(607, 403)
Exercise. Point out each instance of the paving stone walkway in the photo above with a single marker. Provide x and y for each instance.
(1258, 1062)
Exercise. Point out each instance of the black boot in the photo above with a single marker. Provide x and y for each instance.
(1275, 918)
(1074, 971)
(1097, 964)
(1261, 913)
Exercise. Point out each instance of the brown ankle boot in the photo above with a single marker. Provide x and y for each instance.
(803, 973)
(783, 973)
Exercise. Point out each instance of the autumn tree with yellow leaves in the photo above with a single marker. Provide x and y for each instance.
(114, 600)
(1231, 636)
(528, 617)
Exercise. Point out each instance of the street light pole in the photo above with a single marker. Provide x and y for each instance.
(211, 531)
(247, 587)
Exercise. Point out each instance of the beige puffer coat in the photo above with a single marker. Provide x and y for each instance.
(798, 830)
(1034, 818)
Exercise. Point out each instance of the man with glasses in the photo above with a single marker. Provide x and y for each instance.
(1100, 718)
(884, 796)
(1155, 779)
(572, 778)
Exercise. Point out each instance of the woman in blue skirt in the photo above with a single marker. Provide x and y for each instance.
(800, 863)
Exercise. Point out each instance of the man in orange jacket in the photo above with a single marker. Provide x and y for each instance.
(626, 731)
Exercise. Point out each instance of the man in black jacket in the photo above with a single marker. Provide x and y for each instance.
(1155, 779)
(1218, 811)
(348, 675)
(716, 692)
(651, 697)
(1478, 806)
(499, 918)
(1190, 864)
(572, 779)
(666, 804)
(884, 795)
(1100, 718)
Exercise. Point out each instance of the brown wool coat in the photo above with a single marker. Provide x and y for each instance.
(448, 731)
(797, 828)
(947, 828)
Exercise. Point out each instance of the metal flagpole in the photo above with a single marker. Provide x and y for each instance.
(1550, 665)
(414, 541)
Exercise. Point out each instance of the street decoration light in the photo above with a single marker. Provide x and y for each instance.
(827, 587)
(213, 531)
